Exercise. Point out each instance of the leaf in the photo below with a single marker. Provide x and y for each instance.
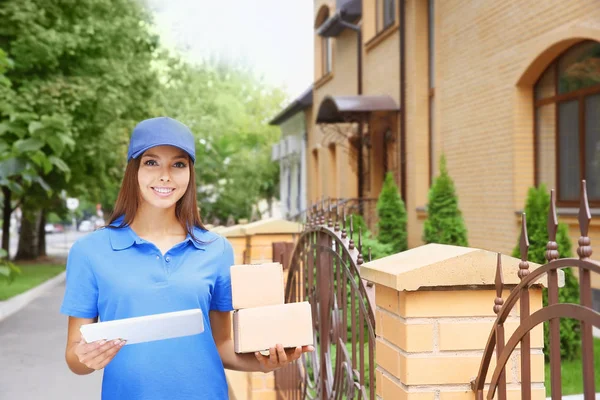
(3, 148)
(3, 128)
(56, 144)
(8, 270)
(67, 140)
(35, 126)
(38, 158)
(15, 187)
(11, 167)
(43, 184)
(60, 164)
(27, 145)
(5, 272)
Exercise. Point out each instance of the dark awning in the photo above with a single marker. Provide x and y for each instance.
(303, 101)
(348, 11)
(335, 109)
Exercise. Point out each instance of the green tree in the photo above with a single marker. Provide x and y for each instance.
(81, 78)
(536, 211)
(392, 216)
(8, 168)
(227, 107)
(444, 223)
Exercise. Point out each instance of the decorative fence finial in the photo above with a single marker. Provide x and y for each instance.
(552, 247)
(351, 243)
(498, 302)
(344, 231)
(322, 220)
(524, 247)
(585, 249)
(359, 258)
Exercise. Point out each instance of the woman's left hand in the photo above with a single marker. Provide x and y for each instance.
(278, 357)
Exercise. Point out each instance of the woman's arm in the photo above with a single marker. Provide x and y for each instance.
(221, 329)
(84, 358)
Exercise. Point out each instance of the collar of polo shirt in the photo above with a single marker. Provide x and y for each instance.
(123, 238)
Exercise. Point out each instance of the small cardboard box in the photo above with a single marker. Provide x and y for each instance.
(257, 285)
(260, 328)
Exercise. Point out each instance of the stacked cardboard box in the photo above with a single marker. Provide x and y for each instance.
(261, 320)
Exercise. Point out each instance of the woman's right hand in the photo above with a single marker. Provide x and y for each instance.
(97, 355)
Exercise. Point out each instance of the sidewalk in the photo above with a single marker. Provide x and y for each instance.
(32, 363)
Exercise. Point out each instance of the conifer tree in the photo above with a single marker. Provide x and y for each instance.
(536, 211)
(444, 222)
(392, 216)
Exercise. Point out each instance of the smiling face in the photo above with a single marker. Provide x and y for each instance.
(163, 176)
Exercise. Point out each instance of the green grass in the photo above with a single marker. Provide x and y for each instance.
(572, 374)
(31, 276)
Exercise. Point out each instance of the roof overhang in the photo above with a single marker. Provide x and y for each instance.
(303, 101)
(349, 11)
(337, 109)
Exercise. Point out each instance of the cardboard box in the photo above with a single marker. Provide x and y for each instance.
(258, 329)
(257, 285)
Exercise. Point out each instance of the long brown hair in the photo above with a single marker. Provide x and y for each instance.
(128, 200)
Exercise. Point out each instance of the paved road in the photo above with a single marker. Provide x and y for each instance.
(32, 365)
(32, 344)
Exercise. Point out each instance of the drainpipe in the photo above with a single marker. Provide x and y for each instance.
(361, 123)
(402, 153)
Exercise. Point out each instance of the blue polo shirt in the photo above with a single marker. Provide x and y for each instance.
(113, 273)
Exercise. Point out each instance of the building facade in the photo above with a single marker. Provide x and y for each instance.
(508, 92)
(290, 152)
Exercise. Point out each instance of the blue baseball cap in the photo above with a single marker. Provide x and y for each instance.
(161, 131)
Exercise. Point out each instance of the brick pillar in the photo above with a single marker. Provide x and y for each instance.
(263, 386)
(434, 314)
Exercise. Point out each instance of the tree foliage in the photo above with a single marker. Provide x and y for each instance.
(392, 216)
(228, 109)
(536, 211)
(81, 77)
(444, 223)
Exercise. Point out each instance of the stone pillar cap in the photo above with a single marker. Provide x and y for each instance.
(439, 265)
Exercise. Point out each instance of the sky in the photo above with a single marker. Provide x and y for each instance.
(275, 37)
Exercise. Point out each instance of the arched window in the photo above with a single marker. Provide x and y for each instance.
(567, 124)
(323, 45)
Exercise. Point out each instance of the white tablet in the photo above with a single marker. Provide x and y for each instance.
(147, 328)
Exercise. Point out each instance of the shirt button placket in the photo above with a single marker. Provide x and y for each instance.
(167, 260)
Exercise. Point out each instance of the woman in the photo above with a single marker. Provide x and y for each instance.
(155, 256)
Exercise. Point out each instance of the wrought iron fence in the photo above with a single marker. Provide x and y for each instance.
(363, 206)
(582, 312)
(325, 270)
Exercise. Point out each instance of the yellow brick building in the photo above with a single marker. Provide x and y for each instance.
(509, 91)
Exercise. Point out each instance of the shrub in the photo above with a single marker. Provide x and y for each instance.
(392, 216)
(444, 223)
(536, 211)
